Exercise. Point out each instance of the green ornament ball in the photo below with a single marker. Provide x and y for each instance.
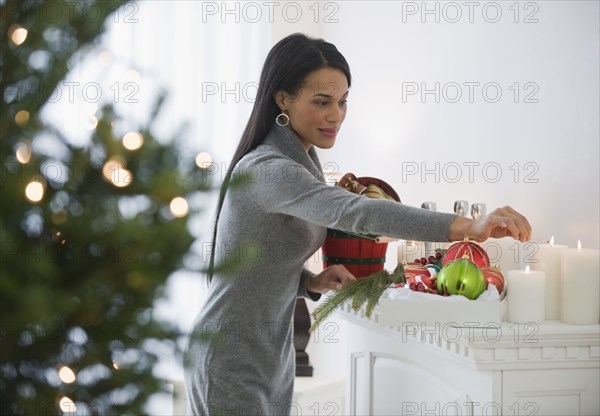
(461, 277)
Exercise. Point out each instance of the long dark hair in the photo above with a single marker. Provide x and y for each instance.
(287, 65)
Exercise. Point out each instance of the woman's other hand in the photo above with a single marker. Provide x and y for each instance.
(502, 222)
(332, 278)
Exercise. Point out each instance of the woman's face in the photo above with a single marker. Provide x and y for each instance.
(318, 110)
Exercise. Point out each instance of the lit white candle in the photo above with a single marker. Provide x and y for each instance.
(526, 296)
(547, 258)
(408, 250)
(580, 286)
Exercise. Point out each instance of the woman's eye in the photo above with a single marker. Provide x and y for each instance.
(324, 103)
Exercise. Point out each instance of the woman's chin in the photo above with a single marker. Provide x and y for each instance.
(325, 146)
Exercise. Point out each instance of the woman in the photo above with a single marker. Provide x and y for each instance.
(240, 358)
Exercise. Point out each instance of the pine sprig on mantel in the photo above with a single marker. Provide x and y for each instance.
(366, 289)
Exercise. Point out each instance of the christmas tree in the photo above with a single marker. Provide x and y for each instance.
(88, 239)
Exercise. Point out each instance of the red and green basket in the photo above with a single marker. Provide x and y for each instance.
(360, 254)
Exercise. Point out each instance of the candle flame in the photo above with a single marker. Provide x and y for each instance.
(527, 269)
(552, 241)
(578, 245)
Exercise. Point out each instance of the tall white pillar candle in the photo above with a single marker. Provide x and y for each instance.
(580, 286)
(526, 296)
(547, 257)
(505, 252)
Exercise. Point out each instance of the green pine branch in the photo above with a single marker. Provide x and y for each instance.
(364, 290)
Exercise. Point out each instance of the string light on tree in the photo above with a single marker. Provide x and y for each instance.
(34, 191)
(91, 122)
(22, 118)
(115, 173)
(66, 375)
(121, 177)
(23, 152)
(179, 207)
(203, 159)
(114, 163)
(67, 405)
(133, 140)
(17, 34)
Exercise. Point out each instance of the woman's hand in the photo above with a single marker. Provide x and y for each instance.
(502, 222)
(332, 278)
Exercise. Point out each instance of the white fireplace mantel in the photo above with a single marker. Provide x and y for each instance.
(413, 369)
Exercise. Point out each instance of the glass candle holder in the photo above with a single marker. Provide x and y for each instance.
(461, 208)
(478, 210)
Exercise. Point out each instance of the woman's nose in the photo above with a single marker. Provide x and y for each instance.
(336, 114)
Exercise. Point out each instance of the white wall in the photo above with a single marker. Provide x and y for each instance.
(547, 150)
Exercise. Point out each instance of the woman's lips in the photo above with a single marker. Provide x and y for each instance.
(331, 133)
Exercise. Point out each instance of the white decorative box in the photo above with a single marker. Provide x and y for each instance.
(401, 306)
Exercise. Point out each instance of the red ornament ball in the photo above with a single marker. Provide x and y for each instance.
(494, 276)
(473, 251)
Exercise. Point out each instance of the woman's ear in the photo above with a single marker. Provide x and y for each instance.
(280, 98)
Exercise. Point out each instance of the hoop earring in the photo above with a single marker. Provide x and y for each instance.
(287, 119)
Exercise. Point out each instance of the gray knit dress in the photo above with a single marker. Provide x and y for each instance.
(240, 356)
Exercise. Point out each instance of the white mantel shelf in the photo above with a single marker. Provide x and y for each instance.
(551, 368)
(508, 346)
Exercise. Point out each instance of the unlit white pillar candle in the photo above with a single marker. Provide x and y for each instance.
(548, 259)
(580, 286)
(505, 252)
(526, 296)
